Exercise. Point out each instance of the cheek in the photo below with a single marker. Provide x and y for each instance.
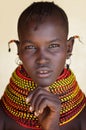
(25, 58)
(59, 63)
(28, 62)
(60, 58)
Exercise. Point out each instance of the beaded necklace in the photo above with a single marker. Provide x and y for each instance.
(14, 99)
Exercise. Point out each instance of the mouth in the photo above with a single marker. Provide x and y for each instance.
(42, 73)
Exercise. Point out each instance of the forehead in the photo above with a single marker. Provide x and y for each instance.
(46, 27)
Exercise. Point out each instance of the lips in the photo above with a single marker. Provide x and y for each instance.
(43, 73)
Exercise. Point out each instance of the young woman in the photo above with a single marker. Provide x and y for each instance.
(42, 93)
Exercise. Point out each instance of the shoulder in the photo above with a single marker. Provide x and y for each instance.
(83, 114)
(7, 123)
(2, 114)
(83, 119)
(2, 117)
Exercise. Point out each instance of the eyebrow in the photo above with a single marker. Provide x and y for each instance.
(54, 40)
(27, 41)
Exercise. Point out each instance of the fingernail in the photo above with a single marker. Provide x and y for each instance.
(36, 114)
(39, 111)
(31, 109)
(27, 100)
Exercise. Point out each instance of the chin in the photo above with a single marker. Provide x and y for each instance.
(45, 83)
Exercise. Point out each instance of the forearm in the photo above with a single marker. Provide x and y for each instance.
(55, 128)
(52, 127)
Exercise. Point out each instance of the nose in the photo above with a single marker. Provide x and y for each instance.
(42, 57)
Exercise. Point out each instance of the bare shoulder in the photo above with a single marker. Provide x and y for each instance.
(83, 119)
(7, 123)
(2, 117)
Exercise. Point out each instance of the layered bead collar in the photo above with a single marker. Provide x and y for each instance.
(14, 99)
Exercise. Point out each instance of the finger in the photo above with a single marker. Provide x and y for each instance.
(28, 99)
(53, 105)
(39, 96)
(39, 92)
(52, 98)
(37, 105)
(42, 106)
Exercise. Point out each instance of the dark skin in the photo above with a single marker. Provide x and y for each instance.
(43, 53)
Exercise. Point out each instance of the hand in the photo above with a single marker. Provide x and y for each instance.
(46, 107)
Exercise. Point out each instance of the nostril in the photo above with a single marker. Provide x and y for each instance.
(41, 61)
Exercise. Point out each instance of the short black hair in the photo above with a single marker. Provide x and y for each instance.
(39, 11)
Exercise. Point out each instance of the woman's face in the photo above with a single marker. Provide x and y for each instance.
(43, 51)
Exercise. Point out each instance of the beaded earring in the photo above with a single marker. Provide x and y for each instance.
(11, 41)
(18, 61)
(78, 37)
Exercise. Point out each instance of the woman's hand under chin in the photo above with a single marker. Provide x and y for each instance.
(46, 107)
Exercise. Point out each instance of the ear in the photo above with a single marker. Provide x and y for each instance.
(70, 43)
(17, 43)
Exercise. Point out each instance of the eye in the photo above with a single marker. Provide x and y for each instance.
(30, 47)
(54, 45)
